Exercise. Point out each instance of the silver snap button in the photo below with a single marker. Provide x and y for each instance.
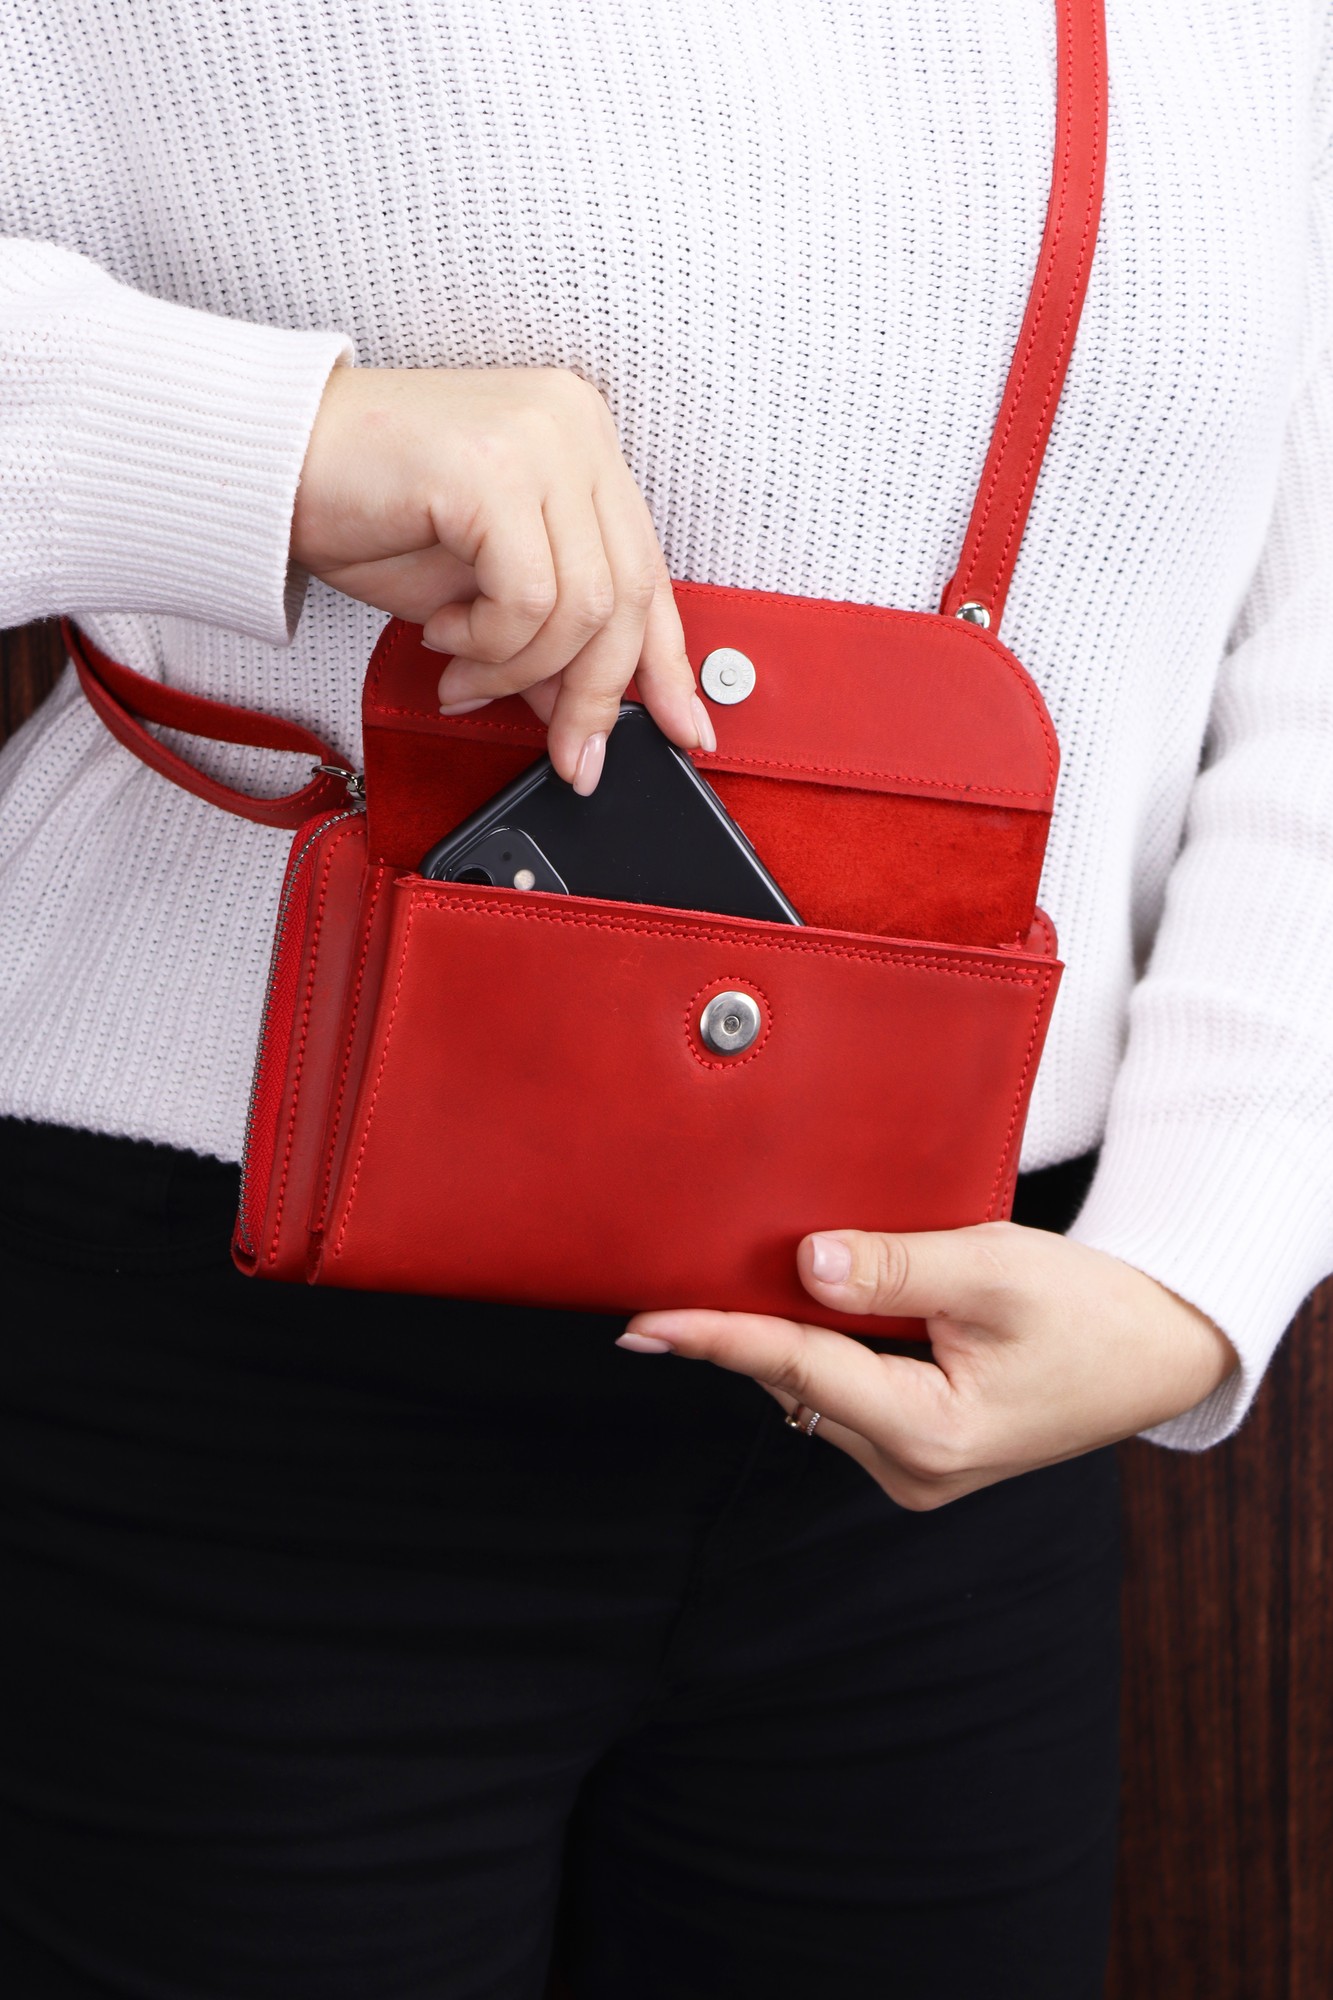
(727, 676)
(973, 614)
(729, 1023)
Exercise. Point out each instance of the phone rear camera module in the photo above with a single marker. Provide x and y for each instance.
(501, 857)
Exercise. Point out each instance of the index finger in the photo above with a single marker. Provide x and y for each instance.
(887, 1398)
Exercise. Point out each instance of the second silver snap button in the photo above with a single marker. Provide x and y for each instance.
(729, 1023)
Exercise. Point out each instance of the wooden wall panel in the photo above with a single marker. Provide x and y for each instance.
(30, 660)
(1226, 1873)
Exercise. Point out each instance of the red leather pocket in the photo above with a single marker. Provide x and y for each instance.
(540, 1121)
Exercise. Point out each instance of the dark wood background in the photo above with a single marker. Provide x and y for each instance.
(1226, 1870)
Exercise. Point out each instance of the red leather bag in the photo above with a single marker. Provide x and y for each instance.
(486, 1093)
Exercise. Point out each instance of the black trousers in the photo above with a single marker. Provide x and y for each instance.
(340, 1631)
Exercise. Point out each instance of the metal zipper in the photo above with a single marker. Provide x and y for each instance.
(284, 909)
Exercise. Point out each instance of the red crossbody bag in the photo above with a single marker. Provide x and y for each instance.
(486, 1093)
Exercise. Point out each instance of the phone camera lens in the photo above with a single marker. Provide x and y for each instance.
(475, 875)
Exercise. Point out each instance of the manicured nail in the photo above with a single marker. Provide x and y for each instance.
(589, 767)
(466, 707)
(644, 1343)
(830, 1260)
(703, 722)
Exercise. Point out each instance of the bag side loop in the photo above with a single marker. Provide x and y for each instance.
(124, 700)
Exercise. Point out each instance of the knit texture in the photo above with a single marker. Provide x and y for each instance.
(791, 244)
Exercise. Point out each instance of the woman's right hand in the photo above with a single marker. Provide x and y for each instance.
(492, 506)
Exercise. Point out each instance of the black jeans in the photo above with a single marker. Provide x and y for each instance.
(339, 1630)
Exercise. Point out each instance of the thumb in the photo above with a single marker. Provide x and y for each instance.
(975, 1274)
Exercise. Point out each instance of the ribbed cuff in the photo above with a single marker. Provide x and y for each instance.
(1235, 1224)
(174, 441)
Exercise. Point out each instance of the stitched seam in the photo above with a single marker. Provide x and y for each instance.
(786, 938)
(1055, 381)
(373, 1102)
(379, 661)
(966, 580)
(295, 861)
(727, 760)
(281, 1196)
(1028, 1064)
(1043, 923)
(354, 1010)
(987, 495)
(692, 1011)
(529, 735)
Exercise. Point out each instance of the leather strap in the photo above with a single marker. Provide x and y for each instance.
(125, 700)
(1046, 338)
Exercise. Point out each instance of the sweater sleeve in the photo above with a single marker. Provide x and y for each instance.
(149, 453)
(1216, 1175)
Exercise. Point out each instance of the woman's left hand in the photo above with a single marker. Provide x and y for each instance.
(1041, 1349)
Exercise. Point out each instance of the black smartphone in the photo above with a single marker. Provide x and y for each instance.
(652, 832)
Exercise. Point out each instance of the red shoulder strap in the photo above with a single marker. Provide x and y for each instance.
(125, 700)
(980, 584)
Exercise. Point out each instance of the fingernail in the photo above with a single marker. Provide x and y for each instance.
(703, 722)
(466, 707)
(589, 767)
(426, 647)
(644, 1343)
(830, 1260)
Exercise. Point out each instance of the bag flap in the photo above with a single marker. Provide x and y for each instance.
(895, 769)
(845, 694)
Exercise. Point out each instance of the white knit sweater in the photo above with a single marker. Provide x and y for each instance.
(791, 241)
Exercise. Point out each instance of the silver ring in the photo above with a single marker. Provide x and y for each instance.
(803, 1418)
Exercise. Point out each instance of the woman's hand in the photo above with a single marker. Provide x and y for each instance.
(492, 506)
(1042, 1349)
